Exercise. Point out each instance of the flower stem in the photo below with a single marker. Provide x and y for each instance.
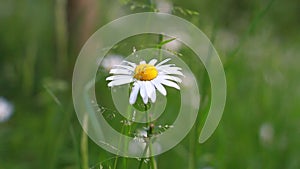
(149, 135)
(141, 163)
(152, 159)
(142, 159)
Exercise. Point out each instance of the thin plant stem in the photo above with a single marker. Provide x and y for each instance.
(152, 159)
(148, 143)
(61, 34)
(160, 39)
(205, 81)
(141, 163)
(127, 131)
(142, 159)
(75, 143)
(251, 28)
(191, 154)
(149, 135)
(84, 145)
(117, 157)
(123, 130)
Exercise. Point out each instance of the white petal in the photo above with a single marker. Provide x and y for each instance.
(169, 69)
(168, 77)
(120, 82)
(163, 62)
(163, 72)
(153, 96)
(130, 63)
(134, 93)
(117, 77)
(143, 92)
(150, 91)
(143, 62)
(125, 67)
(159, 87)
(165, 66)
(120, 71)
(152, 62)
(170, 84)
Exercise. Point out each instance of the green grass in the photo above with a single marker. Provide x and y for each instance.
(258, 43)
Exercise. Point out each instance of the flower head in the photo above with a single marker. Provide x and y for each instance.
(6, 109)
(146, 78)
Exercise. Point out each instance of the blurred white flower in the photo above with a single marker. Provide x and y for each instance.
(6, 109)
(164, 6)
(266, 134)
(109, 61)
(174, 45)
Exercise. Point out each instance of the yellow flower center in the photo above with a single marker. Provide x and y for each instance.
(145, 72)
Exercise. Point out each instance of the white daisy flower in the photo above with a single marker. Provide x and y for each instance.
(146, 78)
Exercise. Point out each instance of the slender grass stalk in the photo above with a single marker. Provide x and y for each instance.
(61, 40)
(191, 154)
(141, 163)
(153, 164)
(149, 135)
(74, 140)
(116, 162)
(250, 29)
(61, 34)
(56, 133)
(152, 158)
(28, 71)
(84, 145)
(127, 131)
(142, 159)
(123, 130)
(117, 157)
(99, 165)
(205, 95)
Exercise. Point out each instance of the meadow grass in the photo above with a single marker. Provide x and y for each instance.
(258, 43)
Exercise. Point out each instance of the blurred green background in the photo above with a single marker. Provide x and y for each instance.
(258, 42)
